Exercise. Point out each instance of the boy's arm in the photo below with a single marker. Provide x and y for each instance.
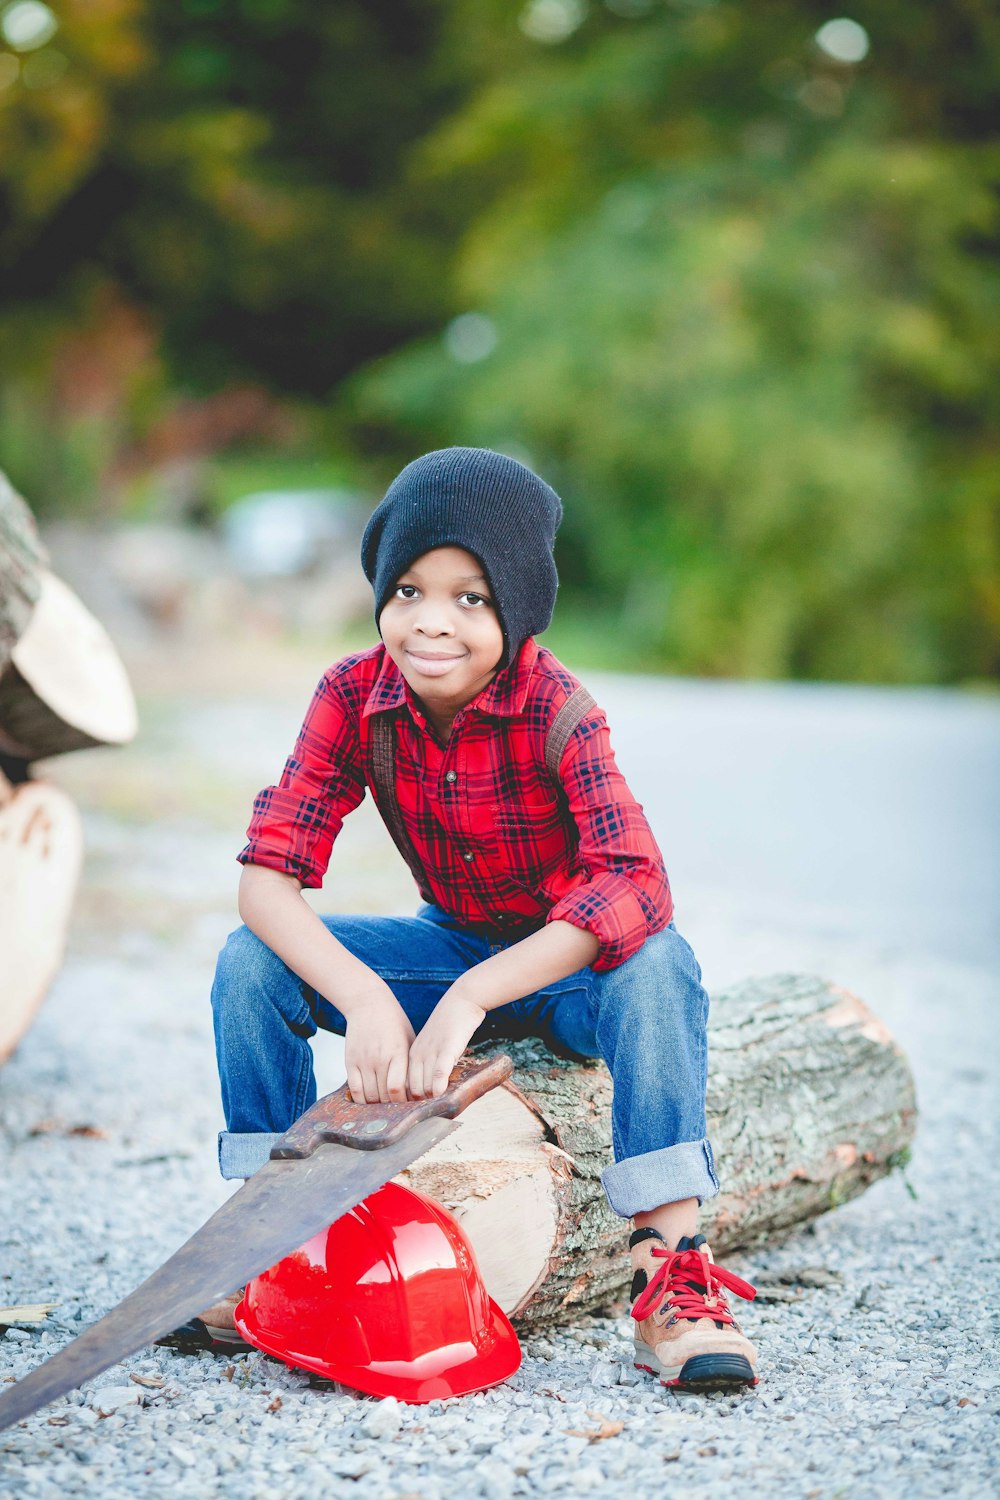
(625, 895)
(378, 1033)
(556, 950)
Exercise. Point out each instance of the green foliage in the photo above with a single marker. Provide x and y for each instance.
(230, 477)
(56, 457)
(232, 165)
(898, 1161)
(734, 294)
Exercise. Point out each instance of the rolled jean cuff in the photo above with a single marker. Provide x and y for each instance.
(242, 1154)
(640, 1183)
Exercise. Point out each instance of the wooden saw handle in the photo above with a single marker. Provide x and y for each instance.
(337, 1119)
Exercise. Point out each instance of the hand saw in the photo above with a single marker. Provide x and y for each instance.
(333, 1157)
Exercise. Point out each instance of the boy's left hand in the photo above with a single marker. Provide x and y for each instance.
(438, 1046)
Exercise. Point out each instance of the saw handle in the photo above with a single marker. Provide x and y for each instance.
(338, 1120)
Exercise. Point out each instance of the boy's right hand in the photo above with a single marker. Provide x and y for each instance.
(377, 1049)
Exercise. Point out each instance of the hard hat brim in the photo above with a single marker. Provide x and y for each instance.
(452, 1370)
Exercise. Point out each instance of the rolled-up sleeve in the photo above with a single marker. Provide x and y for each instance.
(295, 823)
(624, 895)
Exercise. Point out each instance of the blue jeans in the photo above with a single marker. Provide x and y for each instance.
(646, 1019)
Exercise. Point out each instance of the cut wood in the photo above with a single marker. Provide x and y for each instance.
(41, 850)
(27, 1312)
(809, 1101)
(65, 687)
(22, 558)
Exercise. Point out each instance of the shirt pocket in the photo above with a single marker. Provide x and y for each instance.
(537, 816)
(534, 838)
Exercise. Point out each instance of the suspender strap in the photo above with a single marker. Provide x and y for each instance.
(384, 778)
(577, 705)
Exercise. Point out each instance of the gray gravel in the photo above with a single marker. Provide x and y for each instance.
(876, 1327)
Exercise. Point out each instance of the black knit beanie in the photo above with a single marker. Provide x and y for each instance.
(491, 505)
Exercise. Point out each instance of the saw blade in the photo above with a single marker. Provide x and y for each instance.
(275, 1211)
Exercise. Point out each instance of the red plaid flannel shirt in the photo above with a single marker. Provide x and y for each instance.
(502, 848)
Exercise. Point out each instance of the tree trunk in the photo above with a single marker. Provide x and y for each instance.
(41, 850)
(809, 1101)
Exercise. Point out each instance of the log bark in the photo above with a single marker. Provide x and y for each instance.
(22, 558)
(809, 1101)
(41, 851)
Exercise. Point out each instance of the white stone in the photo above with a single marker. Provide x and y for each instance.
(496, 1478)
(351, 1465)
(383, 1419)
(111, 1397)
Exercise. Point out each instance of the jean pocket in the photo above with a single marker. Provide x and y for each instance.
(303, 1021)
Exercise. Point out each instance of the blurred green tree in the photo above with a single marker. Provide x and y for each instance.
(233, 167)
(729, 282)
(726, 274)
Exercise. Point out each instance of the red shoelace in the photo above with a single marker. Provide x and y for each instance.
(680, 1267)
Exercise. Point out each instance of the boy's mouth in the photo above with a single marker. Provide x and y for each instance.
(433, 663)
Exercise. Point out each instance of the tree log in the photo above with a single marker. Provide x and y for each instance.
(809, 1101)
(41, 851)
(62, 683)
(65, 687)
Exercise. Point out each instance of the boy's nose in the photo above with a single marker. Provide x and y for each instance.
(433, 622)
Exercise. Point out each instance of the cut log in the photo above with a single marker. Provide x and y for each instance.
(22, 558)
(41, 851)
(65, 687)
(809, 1101)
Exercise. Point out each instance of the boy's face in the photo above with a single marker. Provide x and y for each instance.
(441, 629)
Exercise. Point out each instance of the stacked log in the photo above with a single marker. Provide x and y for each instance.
(65, 687)
(62, 688)
(809, 1101)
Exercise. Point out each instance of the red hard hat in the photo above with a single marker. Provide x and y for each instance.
(389, 1300)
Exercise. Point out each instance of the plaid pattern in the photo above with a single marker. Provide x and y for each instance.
(502, 848)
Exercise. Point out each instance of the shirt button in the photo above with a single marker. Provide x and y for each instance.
(451, 775)
(468, 856)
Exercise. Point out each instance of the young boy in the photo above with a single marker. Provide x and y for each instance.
(547, 909)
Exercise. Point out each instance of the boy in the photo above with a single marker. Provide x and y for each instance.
(547, 909)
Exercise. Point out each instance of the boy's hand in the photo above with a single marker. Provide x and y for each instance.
(442, 1040)
(377, 1049)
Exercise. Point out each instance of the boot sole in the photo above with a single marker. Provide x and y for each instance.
(195, 1336)
(702, 1372)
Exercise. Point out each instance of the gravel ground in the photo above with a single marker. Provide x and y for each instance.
(879, 1373)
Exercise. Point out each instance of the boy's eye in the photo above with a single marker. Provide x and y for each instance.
(472, 600)
(406, 591)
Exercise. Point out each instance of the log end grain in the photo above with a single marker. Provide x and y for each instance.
(41, 852)
(65, 687)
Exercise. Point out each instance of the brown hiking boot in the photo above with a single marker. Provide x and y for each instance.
(213, 1329)
(685, 1333)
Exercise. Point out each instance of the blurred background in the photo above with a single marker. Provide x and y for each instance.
(724, 274)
